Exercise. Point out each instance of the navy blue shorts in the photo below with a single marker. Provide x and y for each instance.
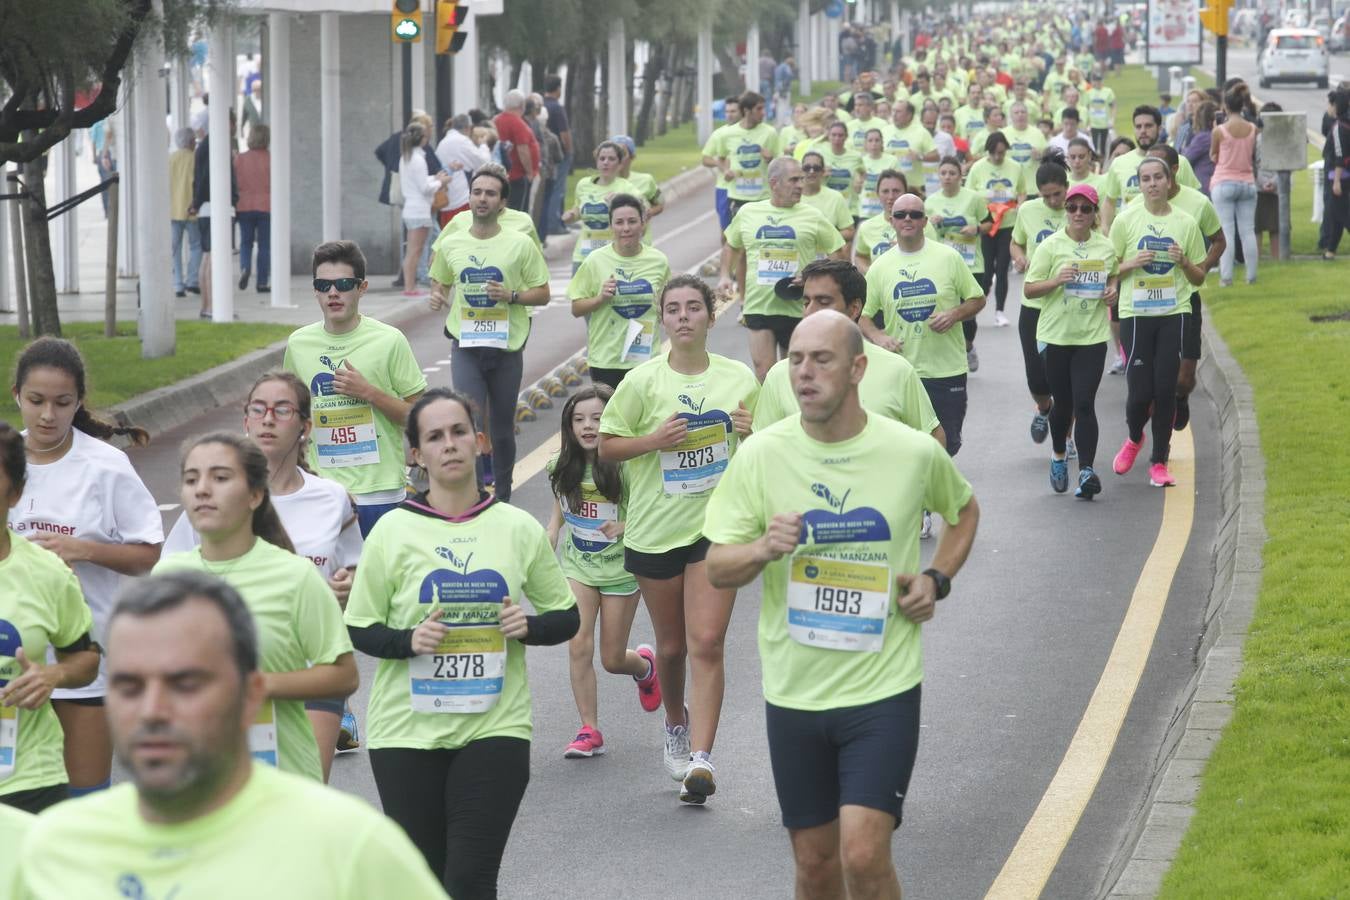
(337, 706)
(855, 755)
(723, 204)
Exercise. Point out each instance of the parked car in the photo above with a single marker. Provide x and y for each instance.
(1294, 54)
(1340, 35)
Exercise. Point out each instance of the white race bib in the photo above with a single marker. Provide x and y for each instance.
(749, 184)
(485, 326)
(464, 675)
(963, 245)
(836, 604)
(638, 343)
(1089, 280)
(345, 436)
(1154, 295)
(594, 243)
(9, 740)
(262, 735)
(585, 523)
(697, 463)
(774, 265)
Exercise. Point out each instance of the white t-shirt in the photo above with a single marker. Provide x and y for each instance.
(318, 518)
(92, 493)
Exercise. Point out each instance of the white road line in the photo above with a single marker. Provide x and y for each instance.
(429, 369)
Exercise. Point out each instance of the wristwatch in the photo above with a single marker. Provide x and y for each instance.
(944, 584)
(515, 296)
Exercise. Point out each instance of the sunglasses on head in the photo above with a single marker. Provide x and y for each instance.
(323, 285)
(1080, 208)
(914, 214)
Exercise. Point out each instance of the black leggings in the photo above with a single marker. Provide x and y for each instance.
(491, 378)
(1152, 358)
(997, 258)
(457, 806)
(1027, 320)
(969, 326)
(1074, 374)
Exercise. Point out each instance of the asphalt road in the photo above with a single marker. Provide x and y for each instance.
(1012, 658)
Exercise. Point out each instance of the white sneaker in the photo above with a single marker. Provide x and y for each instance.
(1000, 319)
(700, 782)
(926, 531)
(972, 360)
(1071, 451)
(676, 755)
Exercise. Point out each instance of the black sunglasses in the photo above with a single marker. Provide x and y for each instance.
(323, 285)
(914, 214)
(813, 168)
(1079, 208)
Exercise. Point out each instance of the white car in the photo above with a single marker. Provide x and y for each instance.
(1294, 54)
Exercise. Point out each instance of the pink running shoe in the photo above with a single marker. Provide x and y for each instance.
(649, 688)
(588, 743)
(1125, 458)
(1158, 476)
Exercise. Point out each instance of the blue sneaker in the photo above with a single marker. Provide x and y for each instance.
(1059, 475)
(1089, 485)
(1040, 426)
(349, 735)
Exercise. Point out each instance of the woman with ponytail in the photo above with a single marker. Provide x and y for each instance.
(305, 651)
(317, 514)
(84, 502)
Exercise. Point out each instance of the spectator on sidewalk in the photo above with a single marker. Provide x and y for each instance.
(1268, 197)
(767, 66)
(181, 221)
(522, 151)
(419, 186)
(253, 173)
(201, 200)
(556, 187)
(550, 154)
(459, 156)
(1197, 147)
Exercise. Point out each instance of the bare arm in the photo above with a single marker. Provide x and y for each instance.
(918, 592)
(336, 679)
(124, 559)
(877, 336)
(736, 565)
(555, 524)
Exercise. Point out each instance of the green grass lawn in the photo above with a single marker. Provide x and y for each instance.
(114, 366)
(1135, 85)
(1273, 815)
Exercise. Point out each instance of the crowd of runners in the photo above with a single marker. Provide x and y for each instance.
(863, 243)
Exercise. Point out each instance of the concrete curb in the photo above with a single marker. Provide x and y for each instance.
(164, 408)
(1207, 703)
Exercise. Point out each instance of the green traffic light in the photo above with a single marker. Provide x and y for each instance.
(407, 29)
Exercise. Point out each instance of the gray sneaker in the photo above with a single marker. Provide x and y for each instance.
(1040, 427)
(676, 754)
(972, 360)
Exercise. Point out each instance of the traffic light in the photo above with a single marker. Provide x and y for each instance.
(1215, 16)
(405, 21)
(449, 16)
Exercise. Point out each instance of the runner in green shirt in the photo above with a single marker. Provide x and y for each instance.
(864, 120)
(590, 509)
(41, 606)
(1101, 111)
(744, 151)
(843, 164)
(842, 605)
(510, 219)
(1001, 180)
(495, 274)
(1073, 276)
(1122, 176)
(908, 141)
(1027, 144)
(590, 205)
(923, 290)
(767, 242)
(674, 422)
(363, 379)
(646, 185)
(958, 217)
(875, 162)
(877, 234)
(199, 815)
(827, 201)
(615, 290)
(437, 600)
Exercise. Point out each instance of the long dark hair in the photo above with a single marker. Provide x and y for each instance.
(302, 404)
(55, 353)
(266, 523)
(565, 479)
(13, 459)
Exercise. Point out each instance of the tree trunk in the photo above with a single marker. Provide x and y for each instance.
(38, 247)
(602, 114)
(651, 75)
(582, 99)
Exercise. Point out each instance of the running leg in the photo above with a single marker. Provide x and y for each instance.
(483, 791)
(1085, 373)
(503, 387)
(326, 726)
(581, 653)
(88, 745)
(1057, 364)
(1137, 334)
(408, 782)
(1166, 362)
(707, 615)
(616, 624)
(763, 351)
(665, 606)
(1027, 320)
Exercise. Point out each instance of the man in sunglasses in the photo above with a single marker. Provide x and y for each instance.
(923, 289)
(363, 379)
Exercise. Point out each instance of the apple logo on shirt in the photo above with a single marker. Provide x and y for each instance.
(1158, 243)
(322, 384)
(595, 215)
(10, 642)
(697, 418)
(479, 274)
(775, 232)
(633, 296)
(911, 293)
(837, 525)
(460, 585)
(749, 156)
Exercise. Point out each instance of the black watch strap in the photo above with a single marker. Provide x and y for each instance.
(944, 584)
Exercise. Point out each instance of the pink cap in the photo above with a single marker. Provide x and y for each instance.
(1083, 190)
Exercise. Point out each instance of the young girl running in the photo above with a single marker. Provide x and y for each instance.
(590, 498)
(306, 654)
(675, 421)
(84, 502)
(436, 598)
(317, 514)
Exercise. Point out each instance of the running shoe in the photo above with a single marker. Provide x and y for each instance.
(648, 687)
(1089, 485)
(588, 743)
(1158, 476)
(1040, 427)
(349, 734)
(677, 748)
(1059, 475)
(1117, 367)
(972, 360)
(1125, 458)
(1070, 449)
(1182, 418)
(699, 782)
(1000, 319)
(926, 530)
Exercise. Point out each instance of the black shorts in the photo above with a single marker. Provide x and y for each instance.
(336, 706)
(948, 396)
(855, 755)
(781, 326)
(733, 207)
(611, 377)
(667, 565)
(1190, 338)
(96, 702)
(204, 229)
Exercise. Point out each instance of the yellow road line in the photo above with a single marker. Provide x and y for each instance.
(1037, 851)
